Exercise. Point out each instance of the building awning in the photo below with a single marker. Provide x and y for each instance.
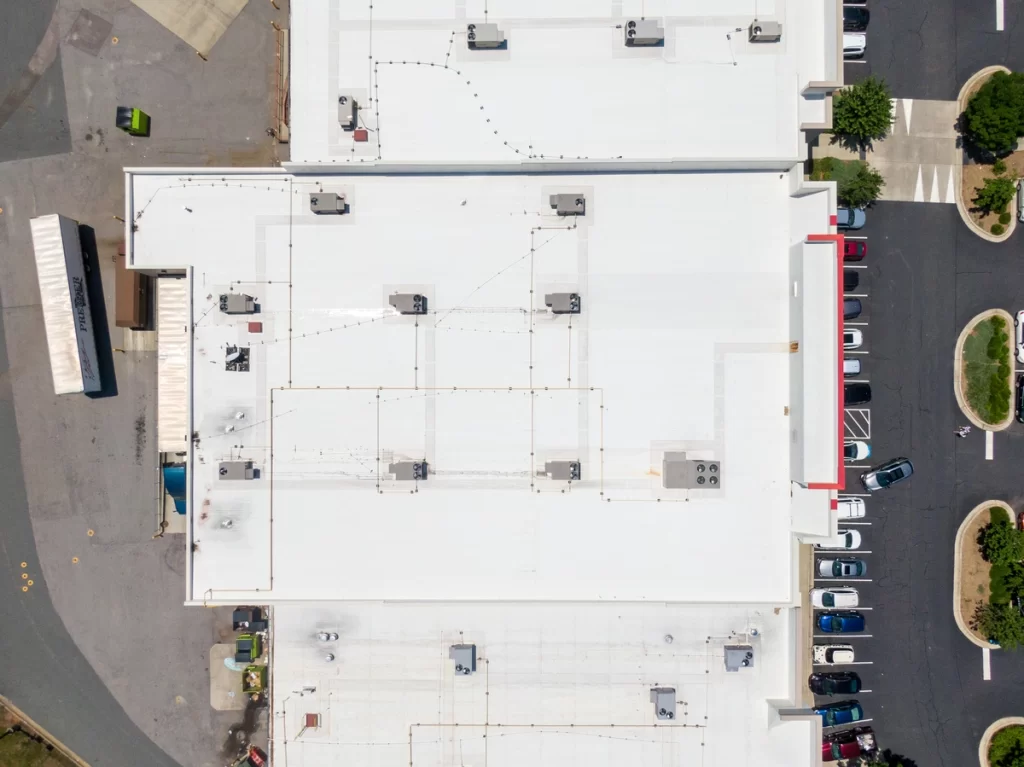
(172, 364)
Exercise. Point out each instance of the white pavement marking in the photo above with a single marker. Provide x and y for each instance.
(856, 295)
(935, 186)
(851, 663)
(845, 580)
(857, 422)
(894, 119)
(999, 16)
(908, 105)
(854, 61)
(855, 237)
(986, 664)
(989, 444)
(950, 194)
(853, 351)
(844, 636)
(919, 187)
(856, 324)
(855, 495)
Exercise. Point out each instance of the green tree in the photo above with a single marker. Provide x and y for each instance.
(994, 118)
(1006, 748)
(996, 193)
(1003, 623)
(1001, 543)
(863, 111)
(859, 188)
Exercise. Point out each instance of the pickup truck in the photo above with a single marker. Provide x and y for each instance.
(833, 654)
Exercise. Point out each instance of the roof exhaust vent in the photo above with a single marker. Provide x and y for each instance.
(644, 32)
(765, 32)
(738, 656)
(464, 656)
(569, 204)
(664, 700)
(484, 36)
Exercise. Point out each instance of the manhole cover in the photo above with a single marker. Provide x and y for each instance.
(89, 32)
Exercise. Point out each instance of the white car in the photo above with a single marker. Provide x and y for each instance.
(850, 508)
(846, 539)
(1018, 323)
(833, 654)
(856, 450)
(829, 598)
(854, 45)
(852, 338)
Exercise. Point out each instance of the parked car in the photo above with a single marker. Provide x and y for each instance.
(850, 508)
(833, 654)
(845, 539)
(841, 622)
(852, 338)
(835, 714)
(851, 308)
(854, 45)
(856, 393)
(851, 218)
(835, 683)
(856, 450)
(889, 473)
(842, 568)
(851, 367)
(1018, 323)
(839, 597)
(1018, 411)
(850, 280)
(855, 18)
(835, 748)
(854, 250)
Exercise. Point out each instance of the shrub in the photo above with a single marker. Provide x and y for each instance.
(1002, 623)
(863, 111)
(860, 188)
(999, 167)
(1004, 218)
(996, 193)
(999, 594)
(997, 229)
(1006, 749)
(821, 169)
(994, 117)
(1001, 543)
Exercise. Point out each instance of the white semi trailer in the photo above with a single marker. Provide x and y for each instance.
(65, 300)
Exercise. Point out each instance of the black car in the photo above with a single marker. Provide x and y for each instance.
(1019, 410)
(835, 683)
(850, 280)
(856, 393)
(851, 308)
(855, 19)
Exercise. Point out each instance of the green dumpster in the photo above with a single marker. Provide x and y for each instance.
(133, 121)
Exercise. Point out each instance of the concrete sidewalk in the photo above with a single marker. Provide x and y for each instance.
(918, 157)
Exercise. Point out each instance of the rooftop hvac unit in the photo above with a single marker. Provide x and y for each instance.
(236, 359)
(563, 303)
(765, 31)
(348, 111)
(680, 473)
(237, 303)
(236, 470)
(327, 203)
(485, 36)
(464, 656)
(738, 656)
(664, 700)
(568, 471)
(408, 303)
(406, 471)
(644, 32)
(568, 204)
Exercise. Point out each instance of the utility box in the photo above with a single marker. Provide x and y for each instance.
(568, 204)
(236, 470)
(328, 203)
(563, 303)
(765, 31)
(408, 303)
(644, 32)
(483, 36)
(237, 303)
(348, 112)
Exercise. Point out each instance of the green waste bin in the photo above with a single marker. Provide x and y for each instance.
(133, 121)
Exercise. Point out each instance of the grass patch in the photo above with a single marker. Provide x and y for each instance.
(21, 748)
(1007, 747)
(997, 591)
(987, 370)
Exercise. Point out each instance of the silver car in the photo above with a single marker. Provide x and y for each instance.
(889, 473)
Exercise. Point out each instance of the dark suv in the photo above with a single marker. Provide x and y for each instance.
(1019, 409)
(856, 394)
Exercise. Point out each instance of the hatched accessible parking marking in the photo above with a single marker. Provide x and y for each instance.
(858, 423)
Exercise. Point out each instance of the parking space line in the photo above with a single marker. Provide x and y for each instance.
(854, 61)
(857, 466)
(853, 351)
(1000, 16)
(989, 444)
(858, 607)
(986, 664)
(856, 295)
(859, 721)
(863, 691)
(855, 495)
(851, 663)
(856, 524)
(844, 637)
(855, 324)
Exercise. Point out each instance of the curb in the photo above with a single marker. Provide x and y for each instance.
(958, 169)
(958, 363)
(986, 738)
(66, 752)
(960, 622)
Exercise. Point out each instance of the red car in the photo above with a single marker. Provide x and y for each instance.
(854, 250)
(838, 747)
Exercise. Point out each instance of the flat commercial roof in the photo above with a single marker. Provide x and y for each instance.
(681, 350)
(564, 685)
(564, 86)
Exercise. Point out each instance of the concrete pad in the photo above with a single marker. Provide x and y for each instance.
(225, 685)
(200, 23)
